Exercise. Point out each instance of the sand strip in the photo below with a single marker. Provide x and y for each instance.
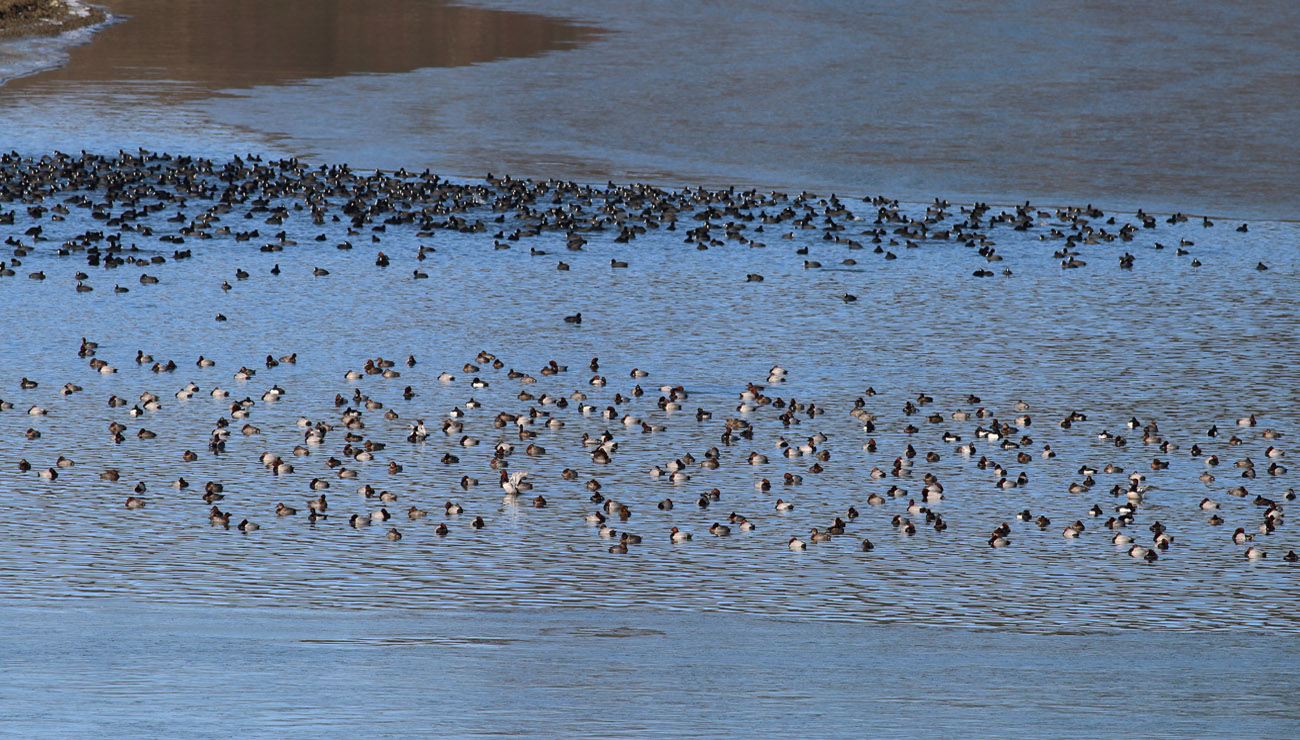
(45, 17)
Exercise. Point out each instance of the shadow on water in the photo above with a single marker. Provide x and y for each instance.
(221, 44)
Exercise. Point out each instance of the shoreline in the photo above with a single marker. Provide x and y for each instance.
(587, 161)
(22, 18)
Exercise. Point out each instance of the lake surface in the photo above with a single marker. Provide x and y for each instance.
(139, 622)
(1189, 108)
(619, 674)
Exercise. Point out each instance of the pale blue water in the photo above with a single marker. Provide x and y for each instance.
(154, 623)
(157, 671)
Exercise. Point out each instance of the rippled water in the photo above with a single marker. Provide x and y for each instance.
(1164, 342)
(579, 673)
(152, 619)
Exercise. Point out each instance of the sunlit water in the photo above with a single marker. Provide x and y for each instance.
(1164, 342)
(720, 635)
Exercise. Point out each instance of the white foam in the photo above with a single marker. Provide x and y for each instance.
(23, 57)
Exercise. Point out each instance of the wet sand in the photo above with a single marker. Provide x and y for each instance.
(20, 18)
(236, 43)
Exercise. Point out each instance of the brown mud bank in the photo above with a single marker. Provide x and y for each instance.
(45, 17)
(219, 44)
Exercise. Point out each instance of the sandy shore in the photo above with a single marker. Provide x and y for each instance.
(45, 17)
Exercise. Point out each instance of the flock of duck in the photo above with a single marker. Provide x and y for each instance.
(975, 437)
(162, 199)
(177, 199)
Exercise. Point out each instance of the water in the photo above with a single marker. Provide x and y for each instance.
(160, 620)
(585, 674)
(1189, 108)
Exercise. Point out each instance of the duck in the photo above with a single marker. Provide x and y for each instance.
(797, 544)
(676, 535)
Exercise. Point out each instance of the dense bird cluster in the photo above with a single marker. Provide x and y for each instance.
(899, 457)
(176, 200)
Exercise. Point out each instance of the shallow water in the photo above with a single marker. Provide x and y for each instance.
(1186, 108)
